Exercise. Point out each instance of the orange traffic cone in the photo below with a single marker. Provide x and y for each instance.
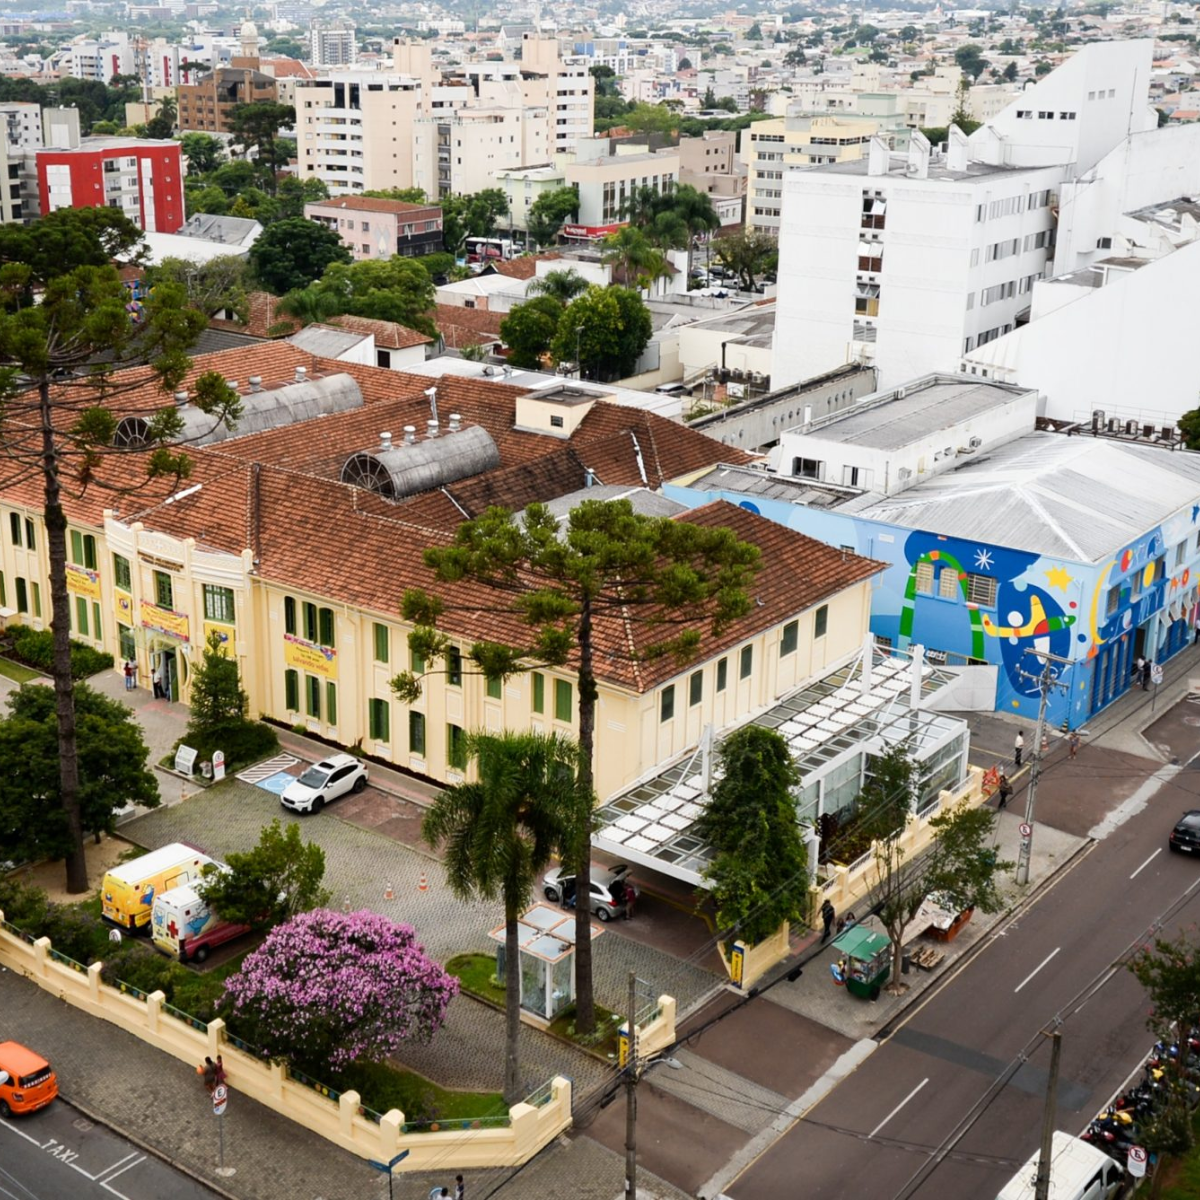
(388, 894)
(423, 885)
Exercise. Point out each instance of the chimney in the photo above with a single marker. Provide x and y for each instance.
(181, 398)
(256, 383)
(301, 374)
(385, 441)
(431, 429)
(410, 434)
(956, 149)
(589, 478)
(878, 157)
(455, 422)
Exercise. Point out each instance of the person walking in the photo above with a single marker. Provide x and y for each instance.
(1146, 672)
(1073, 744)
(1018, 748)
(1005, 790)
(1139, 669)
(156, 678)
(827, 916)
(130, 675)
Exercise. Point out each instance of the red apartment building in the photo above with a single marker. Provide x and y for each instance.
(143, 177)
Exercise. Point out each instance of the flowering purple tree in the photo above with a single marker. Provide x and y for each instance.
(327, 989)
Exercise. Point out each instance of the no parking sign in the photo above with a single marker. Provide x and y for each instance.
(1137, 1161)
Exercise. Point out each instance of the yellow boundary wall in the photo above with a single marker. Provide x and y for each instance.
(339, 1121)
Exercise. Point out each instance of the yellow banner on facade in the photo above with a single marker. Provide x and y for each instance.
(304, 655)
(83, 582)
(225, 632)
(124, 607)
(164, 621)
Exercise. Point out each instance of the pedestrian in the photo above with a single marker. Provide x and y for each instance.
(827, 915)
(156, 677)
(851, 919)
(130, 675)
(459, 1188)
(1005, 791)
(1073, 744)
(220, 1071)
(1139, 669)
(1146, 675)
(209, 1070)
(1018, 748)
(439, 1193)
(1197, 637)
(1045, 744)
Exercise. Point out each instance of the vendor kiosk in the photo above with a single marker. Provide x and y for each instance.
(868, 958)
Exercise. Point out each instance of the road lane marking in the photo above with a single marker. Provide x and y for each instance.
(1036, 969)
(107, 1183)
(113, 1166)
(1147, 862)
(898, 1107)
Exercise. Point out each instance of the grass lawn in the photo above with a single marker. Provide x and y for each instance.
(17, 672)
(1182, 1176)
(475, 972)
(383, 1087)
(603, 1041)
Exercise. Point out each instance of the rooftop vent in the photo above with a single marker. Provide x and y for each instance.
(385, 441)
(398, 471)
(431, 428)
(410, 434)
(301, 374)
(231, 384)
(455, 422)
(256, 383)
(181, 397)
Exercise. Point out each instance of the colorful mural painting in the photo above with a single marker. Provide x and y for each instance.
(978, 602)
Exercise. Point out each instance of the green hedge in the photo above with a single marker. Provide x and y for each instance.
(244, 742)
(35, 648)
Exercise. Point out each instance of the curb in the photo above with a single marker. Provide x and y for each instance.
(134, 1140)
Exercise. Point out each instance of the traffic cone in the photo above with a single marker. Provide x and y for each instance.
(388, 894)
(423, 885)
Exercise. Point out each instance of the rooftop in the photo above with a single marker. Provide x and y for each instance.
(373, 204)
(939, 172)
(756, 482)
(326, 341)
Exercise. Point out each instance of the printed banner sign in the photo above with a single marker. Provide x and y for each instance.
(83, 582)
(224, 632)
(164, 621)
(307, 656)
(124, 606)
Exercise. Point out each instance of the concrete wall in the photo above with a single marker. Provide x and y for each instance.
(338, 1121)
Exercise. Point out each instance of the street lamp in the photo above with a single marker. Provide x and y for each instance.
(578, 360)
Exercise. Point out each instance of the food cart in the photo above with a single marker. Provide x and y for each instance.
(868, 957)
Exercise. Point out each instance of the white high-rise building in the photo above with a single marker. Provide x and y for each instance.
(332, 46)
(911, 261)
(101, 57)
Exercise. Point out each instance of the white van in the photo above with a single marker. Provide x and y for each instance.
(1078, 1171)
(185, 927)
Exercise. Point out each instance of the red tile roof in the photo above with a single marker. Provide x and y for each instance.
(388, 334)
(376, 204)
(524, 267)
(461, 327)
(263, 319)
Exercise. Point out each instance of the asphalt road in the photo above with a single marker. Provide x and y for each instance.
(876, 1131)
(58, 1154)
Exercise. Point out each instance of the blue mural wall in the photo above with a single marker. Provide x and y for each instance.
(996, 602)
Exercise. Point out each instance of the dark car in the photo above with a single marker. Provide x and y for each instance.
(1186, 834)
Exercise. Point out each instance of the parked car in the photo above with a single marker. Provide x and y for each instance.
(27, 1081)
(324, 781)
(1186, 834)
(558, 886)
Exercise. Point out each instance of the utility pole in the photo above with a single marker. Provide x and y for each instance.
(1042, 1183)
(631, 1082)
(1045, 681)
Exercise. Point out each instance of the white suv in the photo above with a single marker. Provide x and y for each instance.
(324, 781)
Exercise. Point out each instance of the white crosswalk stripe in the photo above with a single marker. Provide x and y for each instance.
(264, 770)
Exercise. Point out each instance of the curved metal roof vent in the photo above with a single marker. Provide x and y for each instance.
(131, 432)
(398, 471)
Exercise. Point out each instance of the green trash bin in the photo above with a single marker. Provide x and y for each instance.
(868, 958)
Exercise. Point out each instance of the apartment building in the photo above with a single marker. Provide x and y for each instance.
(102, 57)
(20, 138)
(207, 105)
(710, 164)
(380, 229)
(522, 186)
(354, 130)
(606, 174)
(142, 177)
(332, 45)
(563, 86)
(460, 150)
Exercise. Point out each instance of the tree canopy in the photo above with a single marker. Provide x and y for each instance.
(748, 255)
(529, 329)
(294, 253)
(609, 327)
(393, 289)
(549, 212)
(476, 215)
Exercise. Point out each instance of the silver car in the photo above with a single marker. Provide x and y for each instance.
(558, 886)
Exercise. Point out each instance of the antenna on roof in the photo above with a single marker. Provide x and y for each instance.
(432, 394)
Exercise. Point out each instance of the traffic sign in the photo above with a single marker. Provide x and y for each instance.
(220, 1100)
(1026, 830)
(1156, 673)
(1137, 1161)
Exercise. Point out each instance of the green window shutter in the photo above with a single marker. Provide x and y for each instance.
(289, 614)
(381, 720)
(456, 747)
(790, 639)
(310, 621)
(22, 598)
(81, 616)
(331, 702)
(416, 732)
(667, 703)
(326, 627)
(382, 639)
(29, 538)
(37, 599)
(539, 692)
(89, 548)
(76, 547)
(722, 673)
(562, 700)
(122, 575)
(96, 633)
(418, 662)
(291, 687)
(746, 662)
(313, 688)
(695, 688)
(494, 687)
(821, 621)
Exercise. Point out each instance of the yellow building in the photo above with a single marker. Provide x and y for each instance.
(296, 543)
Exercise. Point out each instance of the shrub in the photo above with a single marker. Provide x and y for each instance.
(75, 933)
(23, 905)
(243, 743)
(141, 967)
(35, 647)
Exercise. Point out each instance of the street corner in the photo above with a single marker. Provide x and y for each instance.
(1176, 734)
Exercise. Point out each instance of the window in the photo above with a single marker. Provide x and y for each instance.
(981, 590)
(539, 692)
(456, 747)
(381, 642)
(218, 603)
(14, 526)
(556, 421)
(925, 578)
(164, 592)
(126, 643)
(37, 598)
(312, 687)
(562, 700)
(81, 616)
(722, 673)
(790, 639)
(122, 575)
(96, 631)
(325, 626)
(695, 688)
(22, 596)
(379, 721)
(291, 689)
(289, 614)
(331, 702)
(494, 686)
(416, 733)
(83, 549)
(31, 545)
(948, 583)
(666, 704)
(806, 468)
(418, 662)
(1114, 600)
(310, 621)
(821, 621)
(1180, 552)
(454, 667)
(746, 662)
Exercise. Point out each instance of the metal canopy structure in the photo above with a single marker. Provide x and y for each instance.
(830, 722)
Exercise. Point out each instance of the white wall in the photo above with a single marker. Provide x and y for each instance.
(1129, 348)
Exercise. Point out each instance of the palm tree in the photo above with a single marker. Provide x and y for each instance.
(562, 286)
(310, 305)
(500, 833)
(631, 251)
